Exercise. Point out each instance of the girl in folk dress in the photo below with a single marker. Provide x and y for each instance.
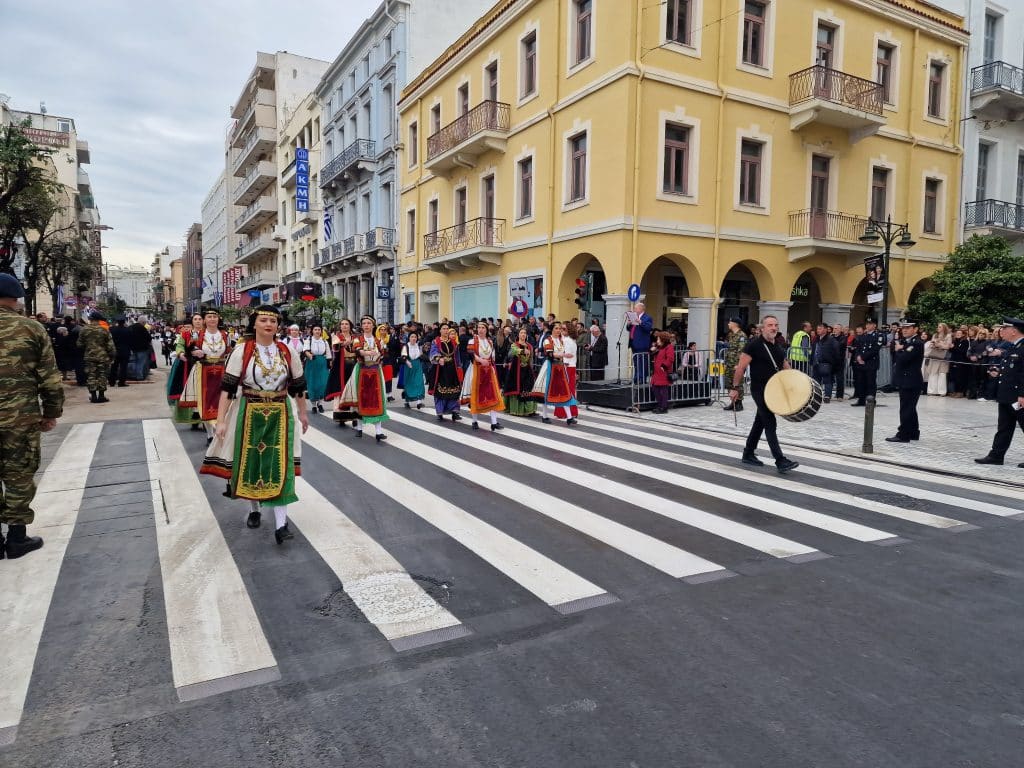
(446, 386)
(569, 412)
(179, 371)
(365, 388)
(412, 378)
(519, 377)
(294, 340)
(256, 445)
(341, 371)
(317, 353)
(207, 351)
(552, 384)
(480, 388)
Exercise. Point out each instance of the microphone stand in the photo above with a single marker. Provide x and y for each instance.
(618, 353)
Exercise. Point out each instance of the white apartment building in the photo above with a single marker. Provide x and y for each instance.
(217, 252)
(133, 285)
(276, 86)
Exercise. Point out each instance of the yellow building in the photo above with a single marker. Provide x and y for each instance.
(722, 154)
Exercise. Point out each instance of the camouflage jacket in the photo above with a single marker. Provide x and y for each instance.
(28, 371)
(96, 344)
(737, 341)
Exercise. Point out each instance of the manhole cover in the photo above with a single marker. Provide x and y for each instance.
(338, 604)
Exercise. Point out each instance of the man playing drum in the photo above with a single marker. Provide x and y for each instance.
(766, 357)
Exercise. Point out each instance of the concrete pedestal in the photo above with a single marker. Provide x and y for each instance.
(700, 322)
(778, 308)
(836, 314)
(616, 305)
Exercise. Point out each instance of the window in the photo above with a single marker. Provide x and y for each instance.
(435, 118)
(387, 46)
(388, 107)
(366, 66)
(879, 193)
(677, 23)
(751, 153)
(529, 46)
(981, 183)
(63, 126)
(1020, 179)
(460, 211)
(991, 37)
(526, 188)
(491, 76)
(931, 205)
(432, 217)
(825, 46)
(463, 98)
(414, 144)
(410, 230)
(578, 168)
(487, 197)
(677, 159)
(755, 14)
(936, 81)
(584, 13)
(883, 70)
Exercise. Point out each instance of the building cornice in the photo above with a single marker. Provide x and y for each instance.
(361, 35)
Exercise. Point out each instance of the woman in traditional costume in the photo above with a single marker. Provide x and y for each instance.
(180, 369)
(552, 384)
(364, 390)
(446, 385)
(480, 388)
(569, 412)
(256, 445)
(207, 351)
(341, 371)
(294, 340)
(317, 353)
(413, 386)
(519, 377)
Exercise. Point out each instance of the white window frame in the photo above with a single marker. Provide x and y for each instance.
(768, 68)
(893, 104)
(764, 208)
(414, 153)
(940, 204)
(882, 162)
(532, 27)
(492, 58)
(944, 110)
(679, 117)
(570, 37)
(462, 185)
(411, 247)
(838, 49)
(693, 48)
(528, 153)
(578, 127)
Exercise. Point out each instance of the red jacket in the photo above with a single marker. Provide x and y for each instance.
(664, 364)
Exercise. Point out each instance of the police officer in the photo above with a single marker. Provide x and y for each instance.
(865, 354)
(908, 355)
(31, 401)
(1009, 389)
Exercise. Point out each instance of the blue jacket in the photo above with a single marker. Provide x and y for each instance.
(640, 340)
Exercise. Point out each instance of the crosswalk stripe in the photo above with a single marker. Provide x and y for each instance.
(27, 584)
(697, 518)
(658, 554)
(216, 641)
(377, 583)
(911, 515)
(873, 482)
(557, 586)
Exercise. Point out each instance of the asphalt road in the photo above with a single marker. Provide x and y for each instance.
(541, 596)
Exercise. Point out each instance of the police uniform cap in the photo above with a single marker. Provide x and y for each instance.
(11, 287)
(908, 323)
(871, 321)
(1014, 322)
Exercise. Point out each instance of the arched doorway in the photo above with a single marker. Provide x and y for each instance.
(806, 298)
(921, 286)
(739, 298)
(665, 291)
(862, 310)
(582, 265)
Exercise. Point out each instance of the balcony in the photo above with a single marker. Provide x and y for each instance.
(822, 96)
(82, 150)
(259, 145)
(267, 278)
(380, 241)
(814, 231)
(461, 142)
(254, 249)
(465, 245)
(995, 217)
(358, 156)
(256, 214)
(997, 91)
(254, 182)
(288, 176)
(262, 111)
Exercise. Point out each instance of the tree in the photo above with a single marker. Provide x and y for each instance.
(980, 283)
(43, 216)
(112, 304)
(23, 175)
(65, 261)
(327, 310)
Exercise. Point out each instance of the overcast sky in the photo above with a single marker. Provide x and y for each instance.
(149, 85)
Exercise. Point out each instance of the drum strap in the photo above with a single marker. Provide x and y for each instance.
(771, 357)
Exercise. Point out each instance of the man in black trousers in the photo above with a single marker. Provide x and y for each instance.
(122, 337)
(1009, 390)
(908, 354)
(864, 358)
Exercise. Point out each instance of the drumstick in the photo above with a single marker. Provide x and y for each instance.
(735, 418)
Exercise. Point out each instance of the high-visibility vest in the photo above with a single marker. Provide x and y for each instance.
(796, 348)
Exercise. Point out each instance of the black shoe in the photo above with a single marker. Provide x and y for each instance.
(730, 407)
(355, 423)
(391, 399)
(253, 521)
(570, 422)
(283, 533)
(989, 460)
(496, 426)
(208, 441)
(475, 425)
(407, 406)
(784, 465)
(92, 396)
(440, 417)
(359, 433)
(546, 420)
(195, 427)
(752, 460)
(456, 417)
(18, 543)
(1021, 465)
(381, 436)
(102, 397)
(858, 405)
(320, 407)
(419, 406)
(828, 399)
(897, 439)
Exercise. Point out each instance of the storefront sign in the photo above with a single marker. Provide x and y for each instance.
(46, 138)
(531, 291)
(301, 179)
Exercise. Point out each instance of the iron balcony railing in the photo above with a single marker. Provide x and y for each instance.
(250, 246)
(360, 149)
(994, 213)
(485, 116)
(352, 244)
(324, 256)
(826, 225)
(250, 209)
(998, 74)
(267, 277)
(837, 87)
(379, 237)
(474, 233)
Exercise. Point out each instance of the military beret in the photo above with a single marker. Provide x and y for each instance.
(11, 287)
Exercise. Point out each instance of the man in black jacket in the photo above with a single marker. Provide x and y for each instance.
(122, 337)
(864, 358)
(908, 355)
(1009, 390)
(824, 359)
(142, 348)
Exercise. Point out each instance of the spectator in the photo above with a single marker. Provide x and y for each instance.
(976, 356)
(936, 355)
(122, 337)
(824, 357)
(800, 347)
(664, 355)
(961, 372)
(141, 348)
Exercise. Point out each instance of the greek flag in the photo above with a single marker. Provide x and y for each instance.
(59, 297)
(327, 224)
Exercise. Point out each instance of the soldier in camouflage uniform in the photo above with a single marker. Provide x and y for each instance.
(737, 341)
(98, 351)
(31, 401)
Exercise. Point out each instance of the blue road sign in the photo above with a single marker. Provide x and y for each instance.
(633, 294)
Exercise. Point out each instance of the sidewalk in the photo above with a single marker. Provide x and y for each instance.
(139, 400)
(954, 432)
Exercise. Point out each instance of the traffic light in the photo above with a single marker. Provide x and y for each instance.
(583, 290)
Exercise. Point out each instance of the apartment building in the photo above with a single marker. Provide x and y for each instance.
(132, 284)
(358, 179)
(217, 250)
(724, 155)
(276, 86)
(194, 273)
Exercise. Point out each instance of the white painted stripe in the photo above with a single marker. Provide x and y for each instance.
(911, 515)
(377, 583)
(697, 518)
(647, 549)
(27, 583)
(212, 627)
(869, 478)
(545, 578)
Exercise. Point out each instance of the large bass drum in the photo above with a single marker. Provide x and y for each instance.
(793, 395)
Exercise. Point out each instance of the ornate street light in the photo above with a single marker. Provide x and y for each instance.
(888, 233)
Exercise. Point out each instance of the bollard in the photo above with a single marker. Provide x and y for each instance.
(869, 426)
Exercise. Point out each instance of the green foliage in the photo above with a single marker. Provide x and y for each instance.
(230, 314)
(112, 305)
(326, 310)
(67, 261)
(981, 282)
(28, 194)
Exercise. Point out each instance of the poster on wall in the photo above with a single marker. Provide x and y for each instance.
(530, 290)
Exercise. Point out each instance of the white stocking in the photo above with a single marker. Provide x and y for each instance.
(378, 428)
(494, 417)
(543, 410)
(280, 516)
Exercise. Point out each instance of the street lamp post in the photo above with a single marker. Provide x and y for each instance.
(889, 233)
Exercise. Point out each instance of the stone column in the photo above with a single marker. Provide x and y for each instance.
(778, 308)
(352, 302)
(700, 322)
(836, 314)
(615, 306)
(894, 314)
